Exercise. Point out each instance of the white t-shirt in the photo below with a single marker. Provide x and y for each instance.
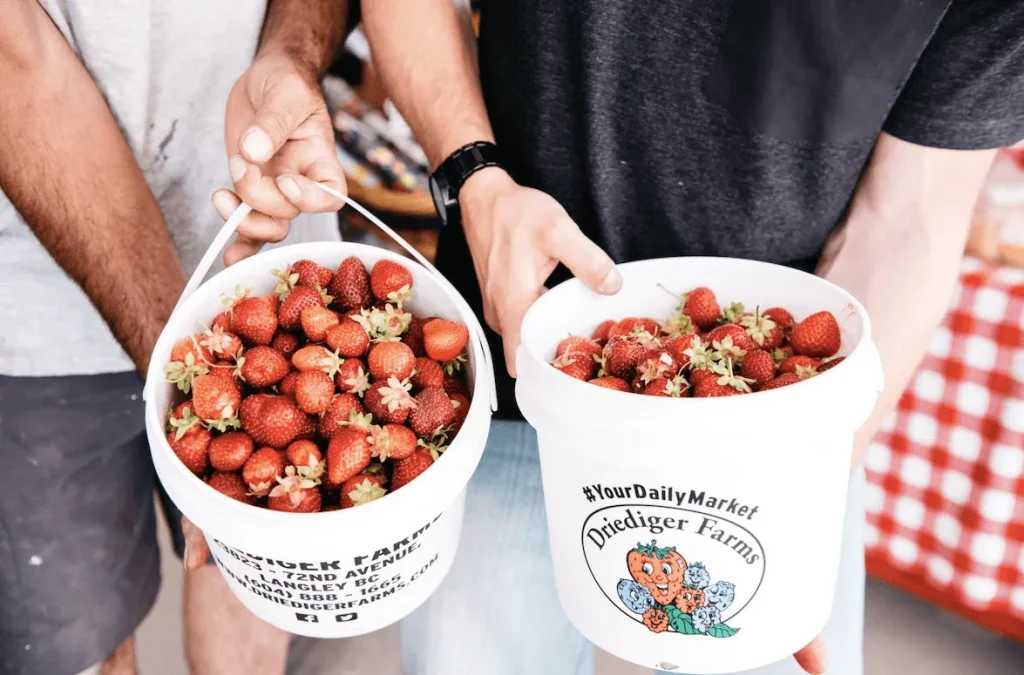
(165, 68)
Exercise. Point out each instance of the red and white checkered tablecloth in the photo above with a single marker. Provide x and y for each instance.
(946, 473)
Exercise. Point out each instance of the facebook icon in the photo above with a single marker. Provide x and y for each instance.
(307, 618)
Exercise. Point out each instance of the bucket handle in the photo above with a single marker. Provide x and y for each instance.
(243, 210)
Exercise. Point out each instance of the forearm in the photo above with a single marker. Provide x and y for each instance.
(70, 174)
(899, 254)
(307, 31)
(425, 53)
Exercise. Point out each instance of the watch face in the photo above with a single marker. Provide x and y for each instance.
(437, 193)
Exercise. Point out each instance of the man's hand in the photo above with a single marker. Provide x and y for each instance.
(279, 140)
(517, 237)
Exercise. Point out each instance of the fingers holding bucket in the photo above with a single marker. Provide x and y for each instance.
(197, 552)
(585, 259)
(256, 230)
(814, 657)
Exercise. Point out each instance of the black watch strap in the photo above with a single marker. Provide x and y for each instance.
(466, 161)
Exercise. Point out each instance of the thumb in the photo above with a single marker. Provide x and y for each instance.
(585, 259)
(284, 107)
(197, 553)
(814, 657)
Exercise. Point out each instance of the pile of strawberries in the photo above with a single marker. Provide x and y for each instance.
(322, 395)
(703, 350)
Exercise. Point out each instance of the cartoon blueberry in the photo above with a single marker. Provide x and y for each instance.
(634, 596)
(721, 594)
(696, 576)
(706, 617)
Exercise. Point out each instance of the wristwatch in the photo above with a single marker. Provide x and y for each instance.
(452, 174)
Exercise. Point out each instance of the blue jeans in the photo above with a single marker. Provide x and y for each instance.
(498, 613)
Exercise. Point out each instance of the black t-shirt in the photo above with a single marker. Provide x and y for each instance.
(730, 128)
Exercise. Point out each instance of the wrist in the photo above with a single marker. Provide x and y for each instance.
(283, 58)
(483, 185)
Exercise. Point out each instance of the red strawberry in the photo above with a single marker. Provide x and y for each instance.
(215, 398)
(311, 274)
(782, 318)
(804, 366)
(315, 321)
(408, 469)
(181, 413)
(316, 357)
(726, 384)
(679, 346)
(762, 330)
(577, 364)
(759, 366)
(347, 454)
(271, 420)
(230, 451)
(827, 365)
(433, 411)
(575, 343)
(231, 485)
(701, 374)
(782, 380)
(351, 285)
(352, 377)
(601, 332)
(229, 372)
(188, 360)
(192, 345)
(191, 447)
(362, 489)
(701, 306)
(609, 382)
(294, 494)
(461, 404)
(657, 363)
(444, 340)
(741, 341)
(299, 298)
(392, 440)
(314, 392)
(454, 384)
(390, 359)
(263, 367)
(222, 322)
(782, 353)
(255, 319)
(621, 355)
(817, 335)
(633, 325)
(304, 454)
(286, 344)
(348, 338)
(675, 387)
(337, 416)
(287, 386)
(262, 470)
(414, 336)
(427, 373)
(221, 343)
(390, 281)
(389, 401)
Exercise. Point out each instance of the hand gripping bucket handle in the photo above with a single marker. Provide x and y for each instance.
(226, 232)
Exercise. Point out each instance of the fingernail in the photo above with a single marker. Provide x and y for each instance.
(288, 186)
(220, 202)
(612, 283)
(257, 144)
(236, 167)
(184, 557)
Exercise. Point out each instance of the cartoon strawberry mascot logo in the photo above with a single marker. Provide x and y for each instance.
(672, 595)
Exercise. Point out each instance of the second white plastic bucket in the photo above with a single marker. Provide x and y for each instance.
(726, 514)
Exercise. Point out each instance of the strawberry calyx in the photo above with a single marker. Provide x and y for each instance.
(366, 491)
(780, 355)
(436, 445)
(725, 349)
(292, 484)
(396, 394)
(729, 379)
(286, 280)
(183, 373)
(401, 295)
(224, 424)
(356, 420)
(313, 470)
(758, 327)
(384, 325)
(700, 357)
(183, 423)
(805, 372)
(732, 313)
(677, 386)
(455, 364)
(240, 294)
(259, 489)
(600, 363)
(679, 324)
(359, 383)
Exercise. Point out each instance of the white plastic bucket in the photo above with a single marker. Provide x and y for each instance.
(752, 487)
(339, 573)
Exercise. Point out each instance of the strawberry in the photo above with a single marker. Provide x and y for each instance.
(294, 494)
(461, 404)
(306, 457)
(286, 344)
(214, 398)
(621, 355)
(701, 306)
(782, 353)
(782, 318)
(433, 411)
(351, 285)
(828, 365)
(348, 338)
(679, 325)
(392, 440)
(361, 489)
(315, 321)
(221, 343)
(222, 322)
(308, 432)
(390, 281)
(454, 384)
(287, 386)
(230, 451)
(609, 382)
(391, 359)
(192, 447)
(758, 366)
(414, 336)
(389, 401)
(289, 316)
(254, 320)
(348, 453)
(701, 374)
(804, 366)
(577, 364)
(352, 377)
(337, 416)
(310, 274)
(676, 387)
(263, 367)
(679, 345)
(725, 384)
(408, 469)
(741, 341)
(262, 470)
(444, 340)
(271, 420)
(231, 485)
(230, 373)
(782, 380)
(762, 330)
(182, 417)
(314, 392)
(192, 345)
(817, 335)
(575, 343)
(427, 373)
(316, 357)
(632, 325)
(188, 361)
(657, 363)
(600, 333)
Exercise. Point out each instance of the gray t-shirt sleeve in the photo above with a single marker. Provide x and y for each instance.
(967, 90)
